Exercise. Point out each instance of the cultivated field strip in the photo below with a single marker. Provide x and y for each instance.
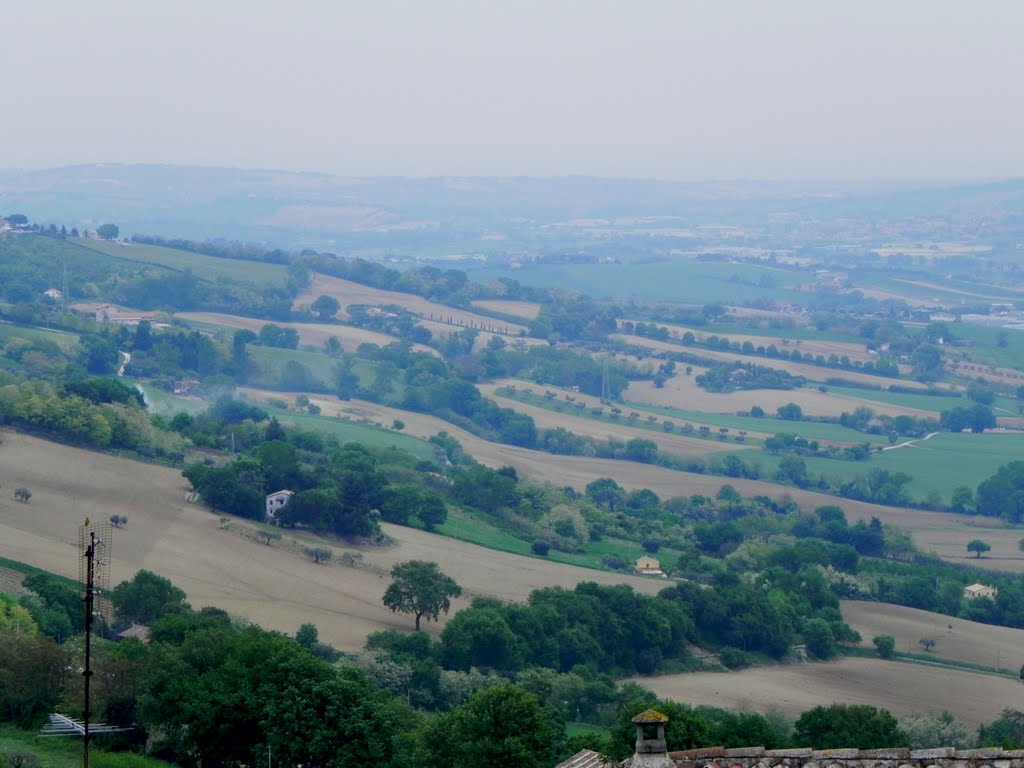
(945, 534)
(348, 292)
(315, 334)
(900, 687)
(269, 585)
(808, 371)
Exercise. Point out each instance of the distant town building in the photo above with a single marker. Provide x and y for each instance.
(139, 631)
(108, 313)
(53, 293)
(648, 566)
(276, 500)
(186, 386)
(980, 590)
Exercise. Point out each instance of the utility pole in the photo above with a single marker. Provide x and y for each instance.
(90, 602)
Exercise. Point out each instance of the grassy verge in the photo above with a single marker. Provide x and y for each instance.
(811, 430)
(66, 751)
(465, 526)
(606, 418)
(205, 267)
(352, 432)
(30, 570)
(64, 339)
(929, 660)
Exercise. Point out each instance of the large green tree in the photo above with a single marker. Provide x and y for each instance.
(848, 725)
(500, 726)
(108, 231)
(146, 597)
(326, 307)
(420, 588)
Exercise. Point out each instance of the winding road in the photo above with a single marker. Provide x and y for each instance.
(910, 442)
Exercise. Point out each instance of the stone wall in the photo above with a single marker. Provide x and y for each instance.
(758, 757)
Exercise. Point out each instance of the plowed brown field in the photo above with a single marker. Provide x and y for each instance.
(269, 585)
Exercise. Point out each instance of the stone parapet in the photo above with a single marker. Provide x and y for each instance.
(759, 757)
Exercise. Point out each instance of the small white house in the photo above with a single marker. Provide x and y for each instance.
(108, 313)
(648, 566)
(980, 590)
(276, 500)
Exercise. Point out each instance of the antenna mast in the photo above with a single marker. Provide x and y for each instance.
(606, 389)
(94, 543)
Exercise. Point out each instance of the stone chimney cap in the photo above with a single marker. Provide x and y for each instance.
(649, 716)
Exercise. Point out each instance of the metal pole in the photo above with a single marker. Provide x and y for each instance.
(90, 570)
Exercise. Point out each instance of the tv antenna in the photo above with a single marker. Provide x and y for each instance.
(606, 389)
(94, 575)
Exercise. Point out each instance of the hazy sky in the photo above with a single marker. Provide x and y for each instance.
(674, 89)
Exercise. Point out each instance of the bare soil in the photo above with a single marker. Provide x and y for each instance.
(954, 638)
(315, 334)
(270, 585)
(945, 534)
(804, 346)
(527, 310)
(900, 687)
(810, 372)
(682, 391)
(347, 292)
(598, 430)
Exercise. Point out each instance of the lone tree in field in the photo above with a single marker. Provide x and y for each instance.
(319, 554)
(326, 307)
(268, 536)
(927, 643)
(22, 494)
(420, 588)
(108, 231)
(978, 546)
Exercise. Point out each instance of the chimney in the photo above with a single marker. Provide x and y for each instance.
(651, 750)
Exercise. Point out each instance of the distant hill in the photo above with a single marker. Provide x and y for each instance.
(477, 214)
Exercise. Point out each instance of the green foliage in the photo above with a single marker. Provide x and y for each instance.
(685, 729)
(108, 231)
(33, 670)
(976, 418)
(844, 725)
(318, 554)
(731, 377)
(818, 638)
(325, 307)
(500, 726)
(1002, 495)
(885, 645)
(420, 588)
(978, 547)
(1006, 731)
(147, 597)
(934, 730)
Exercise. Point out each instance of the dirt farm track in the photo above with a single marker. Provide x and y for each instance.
(270, 586)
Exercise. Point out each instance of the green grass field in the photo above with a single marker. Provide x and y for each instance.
(934, 403)
(952, 296)
(205, 267)
(808, 429)
(354, 432)
(941, 463)
(737, 328)
(63, 339)
(685, 281)
(272, 360)
(605, 418)
(66, 752)
(474, 528)
(166, 404)
(986, 349)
